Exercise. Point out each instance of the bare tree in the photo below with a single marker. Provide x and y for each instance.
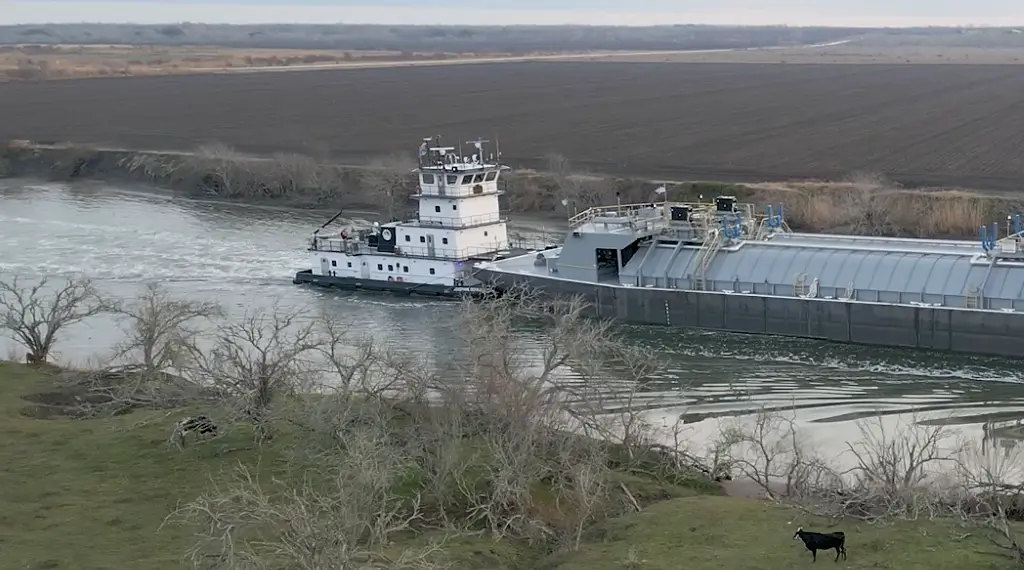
(992, 493)
(161, 330)
(388, 181)
(256, 361)
(580, 190)
(34, 315)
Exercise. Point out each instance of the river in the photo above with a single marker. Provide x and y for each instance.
(243, 256)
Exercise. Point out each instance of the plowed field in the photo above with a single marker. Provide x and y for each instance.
(920, 124)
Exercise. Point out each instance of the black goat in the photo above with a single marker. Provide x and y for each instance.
(815, 541)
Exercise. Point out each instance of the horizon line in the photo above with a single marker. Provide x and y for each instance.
(560, 25)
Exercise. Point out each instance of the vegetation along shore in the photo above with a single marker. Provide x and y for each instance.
(329, 450)
(862, 204)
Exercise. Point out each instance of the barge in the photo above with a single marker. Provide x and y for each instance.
(459, 222)
(725, 266)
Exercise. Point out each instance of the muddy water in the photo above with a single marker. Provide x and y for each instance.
(245, 256)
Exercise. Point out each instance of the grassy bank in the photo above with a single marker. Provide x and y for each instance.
(861, 205)
(93, 494)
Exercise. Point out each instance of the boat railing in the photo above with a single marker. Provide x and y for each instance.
(459, 223)
(701, 213)
(354, 247)
(625, 212)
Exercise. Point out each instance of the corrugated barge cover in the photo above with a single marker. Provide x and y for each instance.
(879, 269)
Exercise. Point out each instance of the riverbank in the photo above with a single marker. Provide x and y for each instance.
(94, 494)
(862, 205)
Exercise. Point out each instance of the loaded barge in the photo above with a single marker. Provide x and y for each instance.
(459, 223)
(725, 266)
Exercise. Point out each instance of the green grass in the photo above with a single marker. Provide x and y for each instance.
(85, 495)
(742, 534)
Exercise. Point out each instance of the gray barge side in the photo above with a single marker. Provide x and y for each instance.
(723, 268)
(972, 331)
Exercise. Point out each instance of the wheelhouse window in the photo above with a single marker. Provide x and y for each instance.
(427, 178)
(452, 179)
(491, 176)
(478, 178)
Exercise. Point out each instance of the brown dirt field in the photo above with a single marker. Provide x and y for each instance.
(936, 125)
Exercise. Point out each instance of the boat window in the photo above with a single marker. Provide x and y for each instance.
(452, 179)
(431, 270)
(350, 264)
(334, 263)
(405, 269)
(380, 267)
(408, 237)
(485, 233)
(428, 178)
(491, 176)
(422, 239)
(437, 208)
(444, 240)
(391, 268)
(478, 178)
(454, 207)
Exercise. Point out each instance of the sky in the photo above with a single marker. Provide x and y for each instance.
(870, 13)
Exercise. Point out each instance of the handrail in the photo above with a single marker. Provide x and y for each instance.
(361, 248)
(457, 222)
(627, 212)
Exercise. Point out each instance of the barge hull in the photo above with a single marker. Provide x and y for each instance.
(307, 277)
(948, 329)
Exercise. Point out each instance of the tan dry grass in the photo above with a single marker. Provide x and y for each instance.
(865, 208)
(76, 61)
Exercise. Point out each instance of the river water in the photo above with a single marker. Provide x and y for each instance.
(245, 256)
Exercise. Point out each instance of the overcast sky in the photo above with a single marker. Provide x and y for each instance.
(640, 12)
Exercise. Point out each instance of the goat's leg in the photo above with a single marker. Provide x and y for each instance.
(814, 555)
(838, 550)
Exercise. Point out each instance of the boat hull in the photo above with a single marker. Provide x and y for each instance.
(307, 277)
(945, 329)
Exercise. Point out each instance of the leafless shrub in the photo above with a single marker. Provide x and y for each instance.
(257, 361)
(895, 472)
(346, 523)
(993, 495)
(34, 315)
(386, 447)
(160, 329)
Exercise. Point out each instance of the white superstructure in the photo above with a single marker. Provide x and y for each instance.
(459, 221)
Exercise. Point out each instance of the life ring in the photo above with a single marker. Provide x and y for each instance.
(344, 234)
(390, 278)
